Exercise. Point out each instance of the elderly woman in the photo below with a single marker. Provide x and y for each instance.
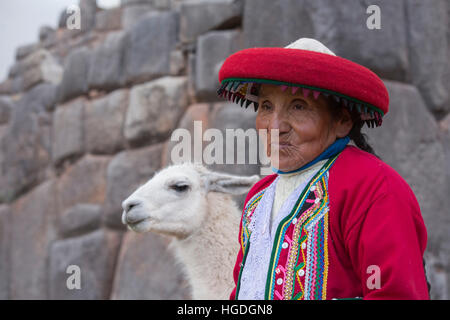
(334, 221)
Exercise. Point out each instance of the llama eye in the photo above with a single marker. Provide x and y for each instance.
(179, 187)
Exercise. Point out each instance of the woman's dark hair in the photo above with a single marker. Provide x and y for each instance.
(355, 134)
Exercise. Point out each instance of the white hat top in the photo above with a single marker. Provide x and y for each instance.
(311, 45)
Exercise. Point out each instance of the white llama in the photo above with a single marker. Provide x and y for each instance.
(194, 206)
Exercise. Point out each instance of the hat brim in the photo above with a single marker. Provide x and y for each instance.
(349, 83)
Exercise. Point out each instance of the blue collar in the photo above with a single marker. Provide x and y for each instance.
(332, 150)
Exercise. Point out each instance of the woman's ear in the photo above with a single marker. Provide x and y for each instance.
(345, 124)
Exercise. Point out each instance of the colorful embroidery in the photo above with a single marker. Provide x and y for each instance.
(301, 271)
(247, 215)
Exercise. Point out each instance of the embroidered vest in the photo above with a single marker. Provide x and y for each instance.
(298, 267)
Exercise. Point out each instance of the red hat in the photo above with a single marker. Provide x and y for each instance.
(309, 66)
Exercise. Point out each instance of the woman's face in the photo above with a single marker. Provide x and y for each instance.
(306, 127)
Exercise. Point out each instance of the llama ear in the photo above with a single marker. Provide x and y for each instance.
(227, 183)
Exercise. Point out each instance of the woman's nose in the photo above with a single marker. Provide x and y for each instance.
(279, 122)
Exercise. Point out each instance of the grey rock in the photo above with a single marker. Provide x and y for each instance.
(26, 145)
(62, 20)
(212, 50)
(88, 9)
(39, 66)
(148, 46)
(81, 218)
(409, 142)
(25, 50)
(83, 182)
(106, 66)
(232, 116)
(43, 96)
(4, 187)
(95, 255)
(104, 119)
(154, 110)
(5, 214)
(132, 14)
(275, 23)
(126, 171)
(110, 19)
(177, 63)
(445, 138)
(156, 4)
(341, 26)
(45, 32)
(76, 71)
(5, 109)
(68, 130)
(142, 255)
(430, 52)
(11, 85)
(32, 230)
(198, 17)
(437, 276)
(197, 112)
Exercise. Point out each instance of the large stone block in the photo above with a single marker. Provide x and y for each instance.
(81, 218)
(154, 110)
(33, 228)
(38, 66)
(409, 142)
(341, 26)
(430, 51)
(25, 50)
(5, 109)
(110, 19)
(26, 145)
(5, 214)
(95, 256)
(88, 10)
(133, 14)
(148, 46)
(127, 171)
(106, 66)
(212, 50)
(147, 270)
(83, 182)
(198, 112)
(269, 23)
(76, 72)
(198, 17)
(43, 97)
(68, 130)
(237, 120)
(155, 4)
(104, 119)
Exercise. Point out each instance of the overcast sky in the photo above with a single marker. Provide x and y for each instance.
(20, 21)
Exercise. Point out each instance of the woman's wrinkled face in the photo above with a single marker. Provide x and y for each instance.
(306, 126)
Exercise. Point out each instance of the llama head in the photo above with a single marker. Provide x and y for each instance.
(174, 202)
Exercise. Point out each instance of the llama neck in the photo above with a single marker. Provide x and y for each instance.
(209, 254)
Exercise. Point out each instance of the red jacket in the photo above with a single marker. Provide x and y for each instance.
(374, 229)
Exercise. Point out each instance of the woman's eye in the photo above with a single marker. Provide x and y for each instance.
(299, 106)
(266, 107)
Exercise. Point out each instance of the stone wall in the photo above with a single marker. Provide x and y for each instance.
(86, 116)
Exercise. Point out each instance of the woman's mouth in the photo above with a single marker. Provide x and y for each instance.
(281, 145)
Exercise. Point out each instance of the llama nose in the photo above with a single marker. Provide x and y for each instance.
(129, 204)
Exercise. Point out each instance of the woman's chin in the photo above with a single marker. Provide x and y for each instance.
(287, 166)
